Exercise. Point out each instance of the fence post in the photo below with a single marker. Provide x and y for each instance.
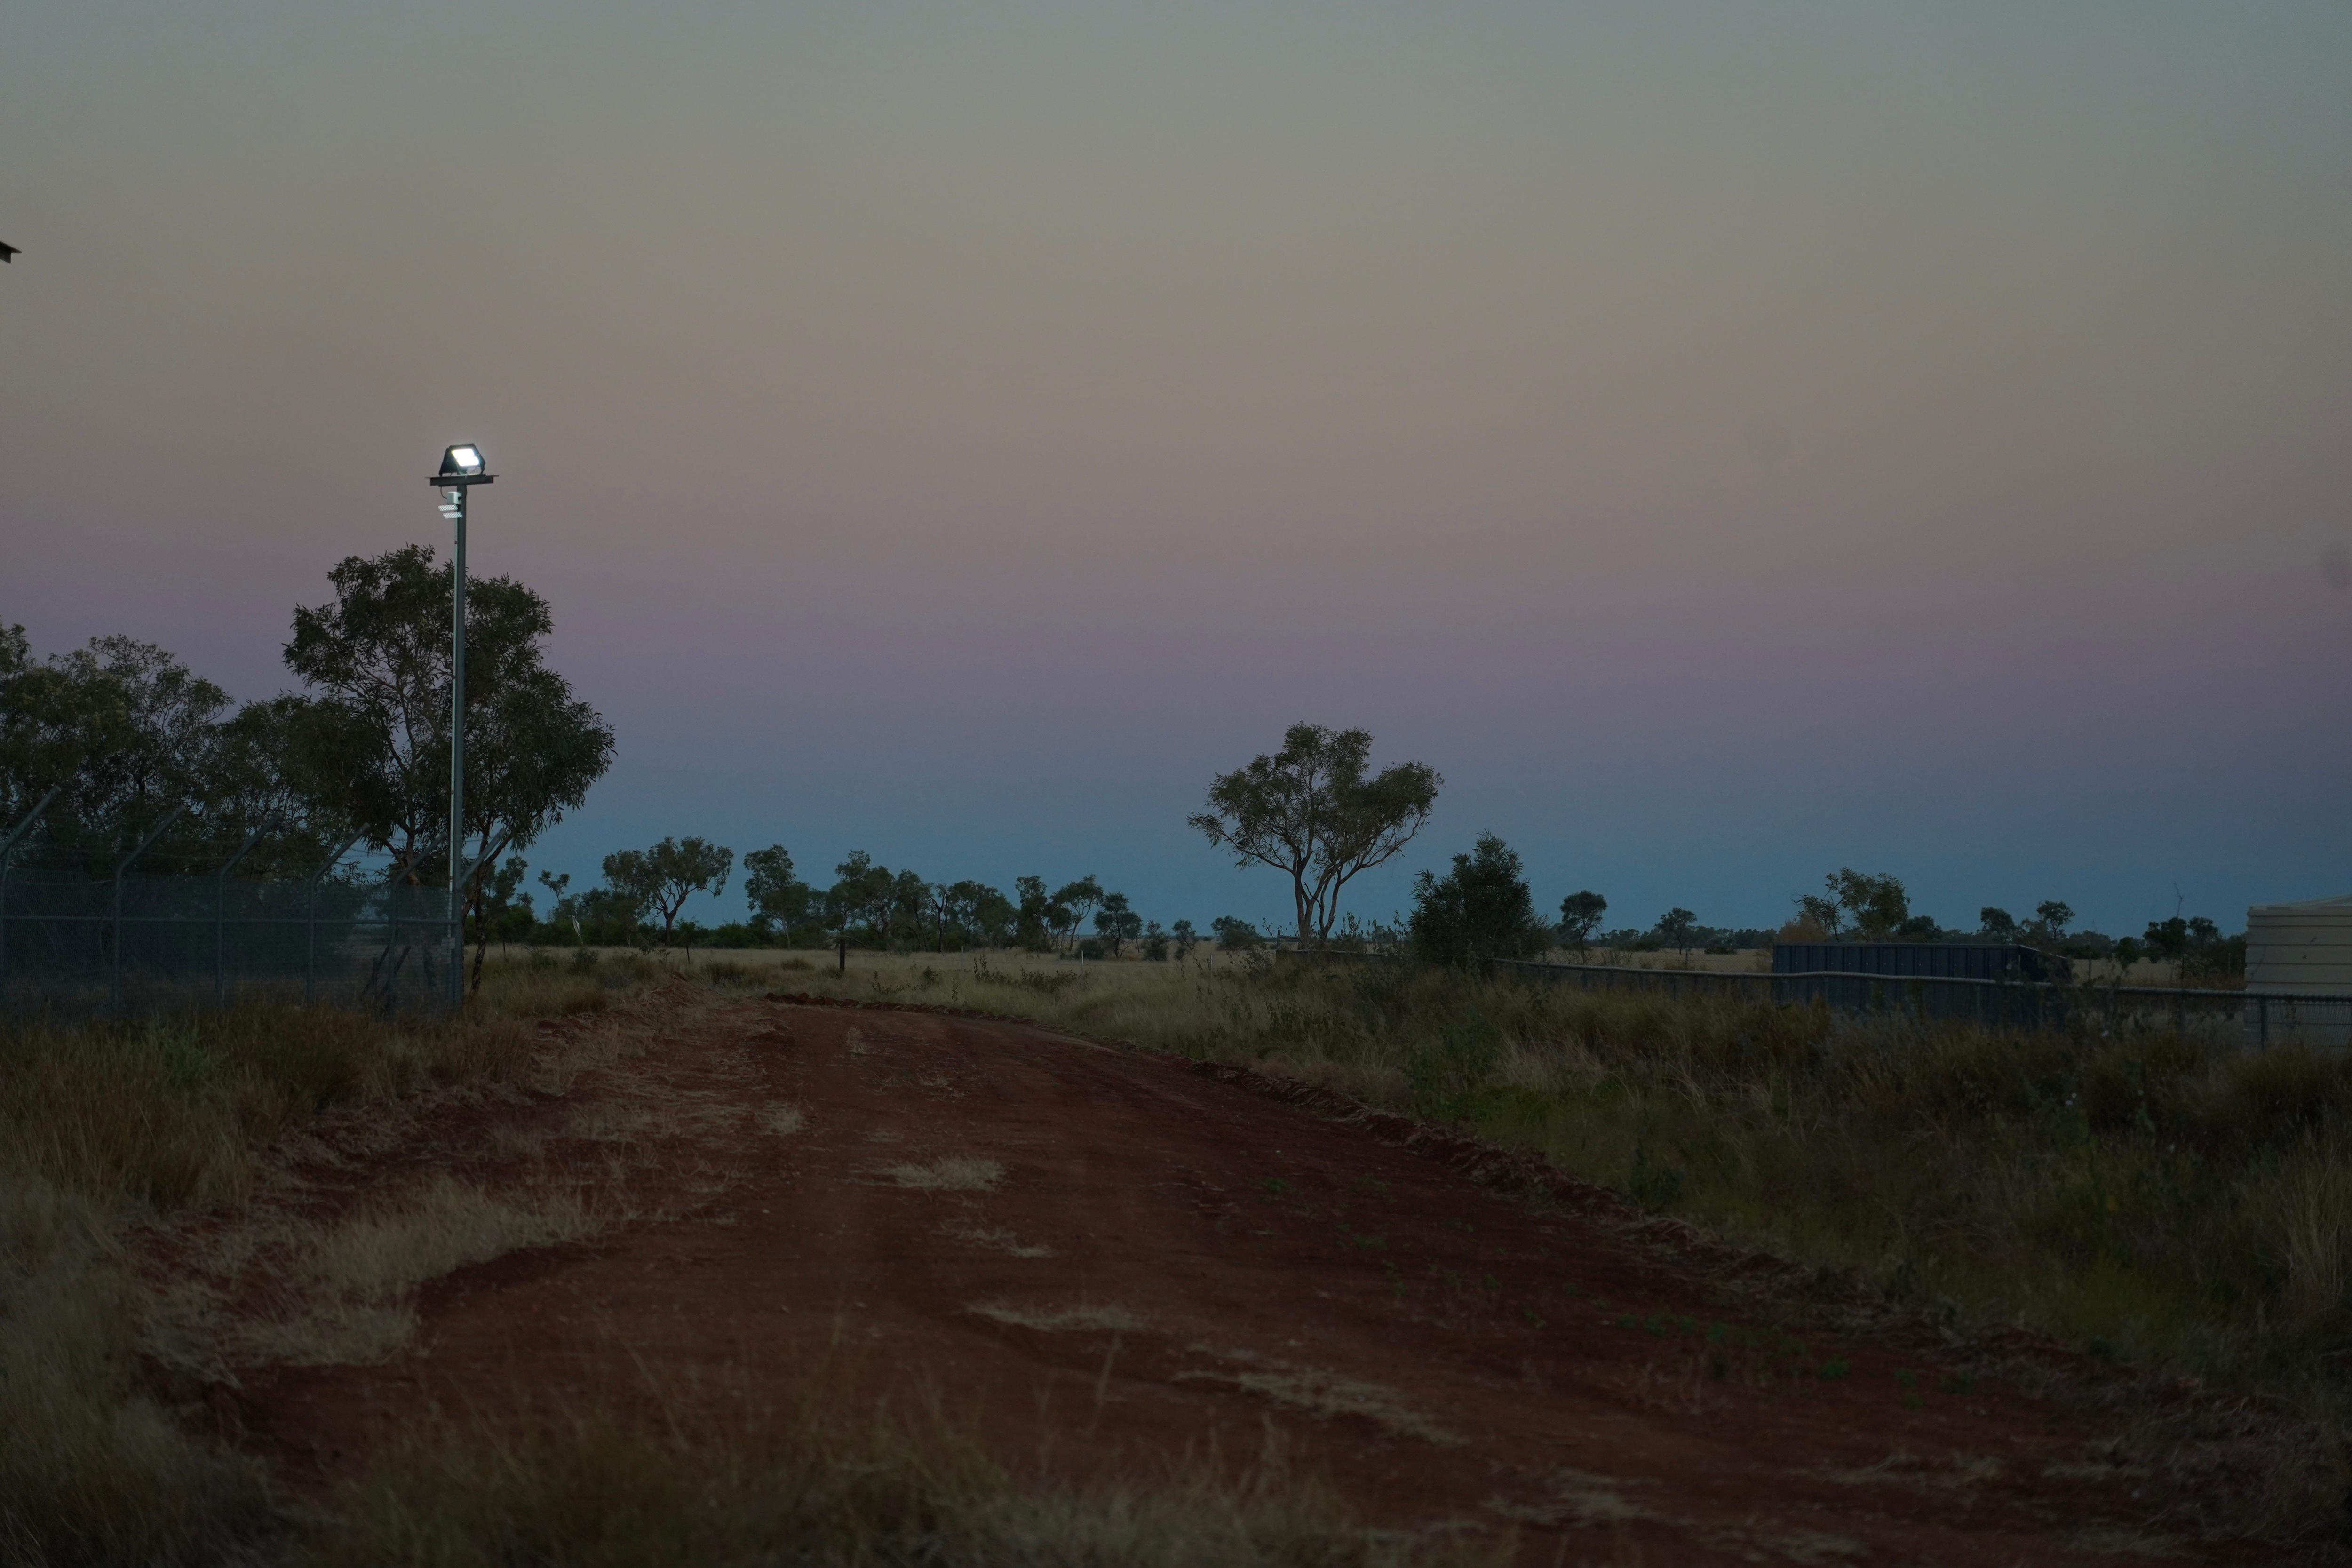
(2262, 1021)
(220, 915)
(114, 974)
(7, 855)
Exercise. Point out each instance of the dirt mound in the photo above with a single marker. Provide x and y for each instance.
(1105, 1261)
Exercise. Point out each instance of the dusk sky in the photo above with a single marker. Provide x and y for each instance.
(1729, 442)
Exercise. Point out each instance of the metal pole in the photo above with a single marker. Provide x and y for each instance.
(220, 914)
(114, 975)
(7, 856)
(457, 753)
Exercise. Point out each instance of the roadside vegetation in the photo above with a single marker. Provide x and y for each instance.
(106, 1127)
(802, 1486)
(113, 1135)
(2160, 1199)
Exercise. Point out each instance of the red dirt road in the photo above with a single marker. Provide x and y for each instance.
(1169, 1261)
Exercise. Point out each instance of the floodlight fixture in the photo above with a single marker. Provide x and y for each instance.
(462, 464)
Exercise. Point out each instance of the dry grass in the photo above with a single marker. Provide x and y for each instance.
(442, 1228)
(954, 1173)
(1578, 1499)
(999, 1240)
(169, 1113)
(1106, 1319)
(90, 1470)
(1324, 1394)
(108, 1126)
(345, 1289)
(594, 1489)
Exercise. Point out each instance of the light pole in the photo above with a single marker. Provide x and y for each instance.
(462, 468)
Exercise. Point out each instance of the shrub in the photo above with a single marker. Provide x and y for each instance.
(1480, 908)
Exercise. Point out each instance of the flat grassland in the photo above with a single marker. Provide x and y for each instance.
(646, 1262)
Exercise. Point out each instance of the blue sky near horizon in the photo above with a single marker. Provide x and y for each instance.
(1728, 442)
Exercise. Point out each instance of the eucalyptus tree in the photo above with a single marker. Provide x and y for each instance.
(663, 878)
(1310, 811)
(369, 738)
(910, 908)
(986, 915)
(778, 897)
(1117, 923)
(862, 894)
(119, 729)
(1678, 928)
(119, 736)
(1579, 917)
(1038, 918)
(1072, 900)
(1877, 906)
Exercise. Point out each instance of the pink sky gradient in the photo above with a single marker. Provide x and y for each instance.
(1728, 444)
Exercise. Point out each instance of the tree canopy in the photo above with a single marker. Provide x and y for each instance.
(780, 900)
(1310, 811)
(370, 739)
(1676, 929)
(663, 878)
(120, 731)
(1579, 917)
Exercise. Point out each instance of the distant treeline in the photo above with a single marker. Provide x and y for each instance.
(867, 905)
(102, 747)
(1482, 907)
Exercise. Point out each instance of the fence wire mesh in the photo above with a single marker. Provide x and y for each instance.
(2249, 1018)
(163, 922)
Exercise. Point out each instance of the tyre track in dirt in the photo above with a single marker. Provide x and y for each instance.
(1172, 1261)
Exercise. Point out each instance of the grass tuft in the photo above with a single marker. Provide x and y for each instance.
(104, 1125)
(955, 1173)
(1106, 1319)
(597, 1489)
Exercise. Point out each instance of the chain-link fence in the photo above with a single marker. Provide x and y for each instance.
(2243, 1017)
(158, 922)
